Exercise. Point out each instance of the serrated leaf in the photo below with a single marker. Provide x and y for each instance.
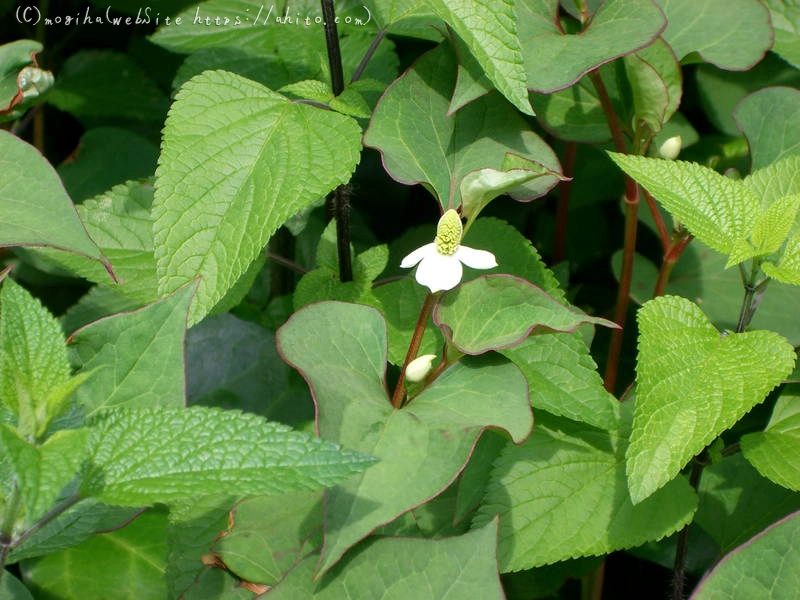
(563, 379)
(203, 451)
(780, 178)
(137, 356)
(130, 561)
(562, 494)
(33, 359)
(718, 210)
(767, 566)
(428, 441)
(555, 60)
(495, 312)
(215, 210)
(787, 270)
(420, 143)
(692, 384)
(774, 224)
(388, 568)
(772, 451)
(36, 209)
(489, 30)
(770, 119)
(120, 223)
(731, 34)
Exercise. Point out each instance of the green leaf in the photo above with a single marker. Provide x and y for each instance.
(475, 476)
(14, 57)
(33, 363)
(575, 114)
(429, 441)
(718, 210)
(736, 502)
(12, 588)
(692, 384)
(771, 451)
(489, 30)
(562, 494)
(36, 209)
(96, 84)
(389, 568)
(202, 451)
(770, 119)
(98, 302)
(773, 182)
(787, 270)
(137, 356)
(555, 60)
(785, 18)
(767, 566)
(656, 83)
(563, 379)
(129, 561)
(119, 221)
(215, 210)
(420, 143)
(772, 227)
(495, 312)
(731, 34)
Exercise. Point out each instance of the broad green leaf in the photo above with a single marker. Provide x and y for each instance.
(555, 60)
(767, 566)
(787, 270)
(716, 209)
(736, 502)
(107, 156)
(692, 384)
(14, 57)
(563, 379)
(495, 312)
(489, 29)
(36, 209)
(770, 119)
(12, 588)
(98, 302)
(656, 83)
(390, 568)
(429, 441)
(434, 519)
(129, 561)
(574, 114)
(562, 494)
(475, 476)
(267, 536)
(42, 472)
(774, 224)
(104, 84)
(137, 356)
(201, 451)
(775, 181)
(33, 359)
(388, 12)
(772, 451)
(214, 210)
(119, 221)
(731, 34)
(785, 16)
(420, 143)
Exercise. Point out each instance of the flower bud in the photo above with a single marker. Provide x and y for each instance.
(418, 369)
(670, 149)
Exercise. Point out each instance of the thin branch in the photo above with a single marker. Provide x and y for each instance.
(368, 55)
(289, 264)
(413, 348)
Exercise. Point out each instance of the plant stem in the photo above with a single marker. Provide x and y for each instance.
(562, 208)
(413, 348)
(332, 43)
(7, 526)
(679, 568)
(362, 65)
(54, 512)
(671, 257)
(753, 292)
(662, 228)
(289, 264)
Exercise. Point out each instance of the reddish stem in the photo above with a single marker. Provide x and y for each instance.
(671, 257)
(413, 348)
(562, 208)
(662, 228)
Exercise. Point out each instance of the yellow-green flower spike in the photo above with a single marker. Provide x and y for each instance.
(448, 233)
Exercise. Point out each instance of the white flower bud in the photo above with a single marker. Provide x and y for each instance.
(670, 149)
(418, 369)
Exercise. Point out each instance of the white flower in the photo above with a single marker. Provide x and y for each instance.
(671, 148)
(418, 369)
(440, 261)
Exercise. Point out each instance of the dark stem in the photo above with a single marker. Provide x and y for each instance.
(282, 244)
(662, 228)
(679, 568)
(671, 257)
(289, 264)
(52, 514)
(562, 208)
(332, 43)
(19, 126)
(413, 348)
(368, 55)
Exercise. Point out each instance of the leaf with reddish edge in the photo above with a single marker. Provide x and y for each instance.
(494, 312)
(428, 442)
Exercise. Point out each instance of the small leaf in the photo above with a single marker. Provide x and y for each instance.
(692, 384)
(202, 451)
(655, 78)
(495, 312)
(787, 270)
(14, 57)
(769, 119)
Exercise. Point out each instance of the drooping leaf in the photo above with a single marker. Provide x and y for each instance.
(390, 568)
(420, 143)
(137, 356)
(770, 119)
(36, 209)
(495, 312)
(201, 451)
(731, 34)
(765, 566)
(562, 494)
(785, 18)
(215, 210)
(656, 84)
(428, 441)
(692, 384)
